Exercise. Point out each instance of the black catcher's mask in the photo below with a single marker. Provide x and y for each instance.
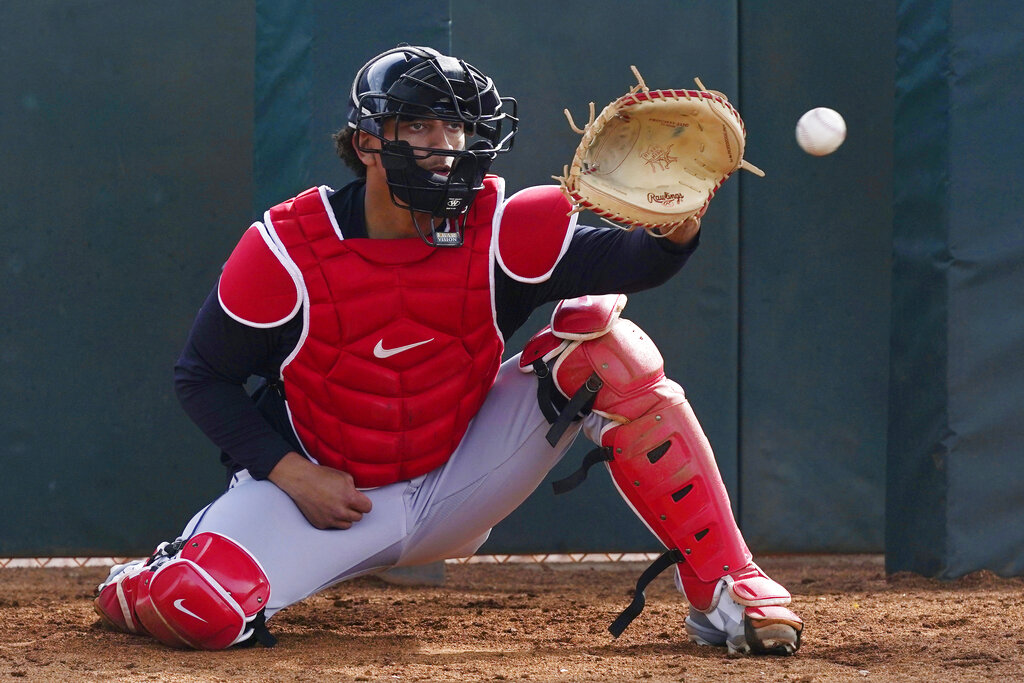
(408, 83)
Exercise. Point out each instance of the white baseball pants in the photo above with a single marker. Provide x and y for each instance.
(446, 513)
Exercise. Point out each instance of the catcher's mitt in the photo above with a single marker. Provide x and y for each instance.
(654, 158)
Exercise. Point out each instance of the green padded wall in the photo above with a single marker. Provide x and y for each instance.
(815, 259)
(127, 137)
(149, 138)
(143, 139)
(955, 493)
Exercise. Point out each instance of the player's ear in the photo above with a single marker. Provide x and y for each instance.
(362, 141)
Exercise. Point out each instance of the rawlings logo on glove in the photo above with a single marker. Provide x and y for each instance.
(654, 158)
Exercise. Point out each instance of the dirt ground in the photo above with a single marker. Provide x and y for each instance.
(541, 623)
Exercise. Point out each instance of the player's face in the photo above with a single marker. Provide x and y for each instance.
(443, 135)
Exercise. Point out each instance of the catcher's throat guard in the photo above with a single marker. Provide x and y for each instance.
(591, 360)
(436, 195)
(654, 158)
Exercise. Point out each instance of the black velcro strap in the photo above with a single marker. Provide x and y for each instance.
(545, 390)
(260, 634)
(576, 478)
(581, 402)
(666, 560)
(166, 550)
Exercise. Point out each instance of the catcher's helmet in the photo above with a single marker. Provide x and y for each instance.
(410, 82)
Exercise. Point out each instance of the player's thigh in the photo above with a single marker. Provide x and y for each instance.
(499, 463)
(298, 558)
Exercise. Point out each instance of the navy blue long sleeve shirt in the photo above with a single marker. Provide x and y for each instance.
(221, 354)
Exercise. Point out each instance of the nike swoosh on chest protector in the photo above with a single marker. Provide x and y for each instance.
(380, 352)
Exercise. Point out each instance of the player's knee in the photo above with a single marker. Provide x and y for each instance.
(629, 365)
(471, 547)
(589, 348)
(210, 595)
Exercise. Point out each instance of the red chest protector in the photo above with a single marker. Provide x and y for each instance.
(399, 346)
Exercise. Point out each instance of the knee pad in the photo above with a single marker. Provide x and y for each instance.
(658, 456)
(206, 592)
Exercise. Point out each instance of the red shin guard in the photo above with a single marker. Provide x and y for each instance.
(658, 456)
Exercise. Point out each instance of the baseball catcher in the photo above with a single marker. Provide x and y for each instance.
(386, 431)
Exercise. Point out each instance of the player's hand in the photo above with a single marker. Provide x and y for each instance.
(327, 497)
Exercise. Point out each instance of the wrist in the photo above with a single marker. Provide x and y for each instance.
(674, 246)
(684, 234)
(289, 470)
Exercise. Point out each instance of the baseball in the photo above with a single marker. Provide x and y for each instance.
(820, 131)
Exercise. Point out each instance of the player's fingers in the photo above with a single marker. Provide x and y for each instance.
(339, 519)
(355, 500)
(361, 502)
(325, 518)
(346, 514)
(322, 524)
